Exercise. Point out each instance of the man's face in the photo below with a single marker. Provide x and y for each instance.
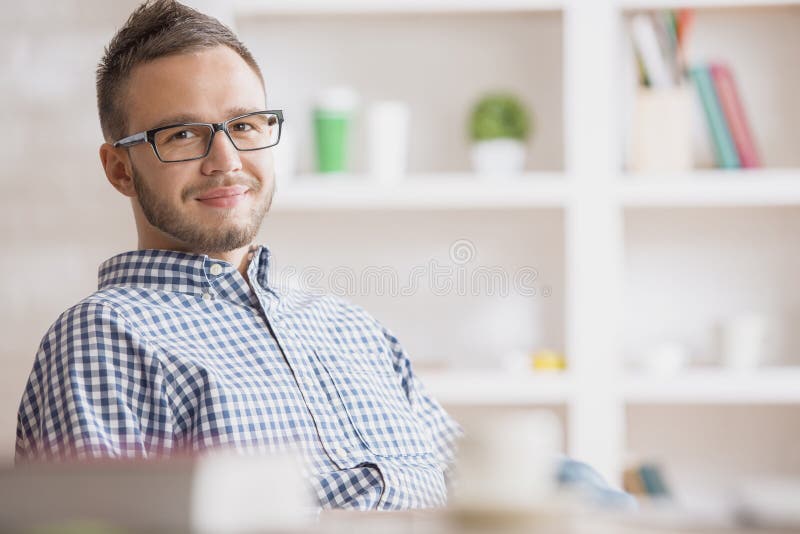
(207, 86)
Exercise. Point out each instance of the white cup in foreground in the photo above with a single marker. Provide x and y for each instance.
(507, 460)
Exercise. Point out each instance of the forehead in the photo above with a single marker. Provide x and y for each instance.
(202, 84)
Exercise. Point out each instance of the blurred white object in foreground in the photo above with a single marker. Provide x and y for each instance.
(507, 461)
(769, 503)
(212, 493)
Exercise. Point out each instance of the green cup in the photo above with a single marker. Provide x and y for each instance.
(331, 129)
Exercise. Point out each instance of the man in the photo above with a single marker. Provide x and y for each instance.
(188, 345)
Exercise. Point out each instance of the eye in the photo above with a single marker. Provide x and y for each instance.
(181, 135)
(243, 127)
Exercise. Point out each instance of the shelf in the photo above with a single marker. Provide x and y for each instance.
(712, 189)
(495, 387)
(663, 4)
(756, 188)
(439, 191)
(767, 386)
(312, 7)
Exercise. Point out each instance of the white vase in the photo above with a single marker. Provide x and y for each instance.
(498, 156)
(387, 140)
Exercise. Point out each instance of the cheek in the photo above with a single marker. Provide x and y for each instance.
(160, 184)
(178, 187)
(262, 164)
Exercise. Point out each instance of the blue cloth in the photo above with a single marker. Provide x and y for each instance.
(593, 488)
(177, 353)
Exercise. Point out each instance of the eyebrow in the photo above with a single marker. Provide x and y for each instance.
(186, 117)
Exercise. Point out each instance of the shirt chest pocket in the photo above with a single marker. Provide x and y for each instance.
(378, 409)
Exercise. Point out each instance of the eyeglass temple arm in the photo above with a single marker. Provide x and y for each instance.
(131, 140)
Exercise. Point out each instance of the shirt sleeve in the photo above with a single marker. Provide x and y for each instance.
(96, 390)
(444, 430)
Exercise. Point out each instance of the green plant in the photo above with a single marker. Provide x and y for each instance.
(499, 115)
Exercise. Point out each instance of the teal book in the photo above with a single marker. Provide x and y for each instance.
(725, 152)
(653, 481)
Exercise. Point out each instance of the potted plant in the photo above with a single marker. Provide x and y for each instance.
(499, 126)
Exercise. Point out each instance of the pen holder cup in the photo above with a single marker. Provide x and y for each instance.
(661, 138)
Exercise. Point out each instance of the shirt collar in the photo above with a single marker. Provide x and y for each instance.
(183, 272)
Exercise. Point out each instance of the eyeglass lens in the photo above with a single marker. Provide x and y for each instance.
(250, 132)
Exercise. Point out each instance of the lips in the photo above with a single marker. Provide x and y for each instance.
(222, 192)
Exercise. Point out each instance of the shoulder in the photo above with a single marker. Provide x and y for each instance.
(95, 316)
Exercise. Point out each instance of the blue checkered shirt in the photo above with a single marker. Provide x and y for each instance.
(178, 353)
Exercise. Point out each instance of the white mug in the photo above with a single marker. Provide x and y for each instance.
(746, 341)
(387, 138)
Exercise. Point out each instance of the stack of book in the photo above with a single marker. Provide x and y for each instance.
(727, 123)
(645, 480)
(660, 44)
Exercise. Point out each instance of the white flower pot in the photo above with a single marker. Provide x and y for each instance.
(498, 156)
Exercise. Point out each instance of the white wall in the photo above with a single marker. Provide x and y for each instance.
(59, 217)
(439, 64)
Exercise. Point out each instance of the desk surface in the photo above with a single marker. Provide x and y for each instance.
(443, 522)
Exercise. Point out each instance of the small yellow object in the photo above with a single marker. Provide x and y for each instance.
(548, 360)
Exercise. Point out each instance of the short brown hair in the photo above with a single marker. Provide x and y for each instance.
(157, 28)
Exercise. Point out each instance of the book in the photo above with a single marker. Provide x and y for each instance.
(649, 47)
(725, 153)
(735, 115)
(653, 481)
(632, 482)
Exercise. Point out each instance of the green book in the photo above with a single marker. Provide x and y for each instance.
(725, 152)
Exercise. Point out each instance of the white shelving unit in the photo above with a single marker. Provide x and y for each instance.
(722, 4)
(708, 188)
(753, 188)
(766, 387)
(493, 387)
(360, 7)
(432, 191)
(591, 236)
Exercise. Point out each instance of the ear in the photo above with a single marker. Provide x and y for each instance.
(118, 168)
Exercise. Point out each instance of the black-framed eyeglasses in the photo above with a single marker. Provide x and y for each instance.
(189, 141)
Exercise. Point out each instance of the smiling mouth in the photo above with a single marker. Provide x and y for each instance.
(222, 192)
(225, 201)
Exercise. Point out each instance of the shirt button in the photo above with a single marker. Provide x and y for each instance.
(340, 452)
(216, 269)
(208, 296)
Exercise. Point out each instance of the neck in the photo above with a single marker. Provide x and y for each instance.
(239, 258)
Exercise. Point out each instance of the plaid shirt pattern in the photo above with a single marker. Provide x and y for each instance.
(177, 353)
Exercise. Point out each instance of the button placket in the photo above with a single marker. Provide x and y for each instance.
(333, 439)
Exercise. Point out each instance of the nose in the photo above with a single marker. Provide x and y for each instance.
(222, 157)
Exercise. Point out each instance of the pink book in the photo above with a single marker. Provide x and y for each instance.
(731, 105)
